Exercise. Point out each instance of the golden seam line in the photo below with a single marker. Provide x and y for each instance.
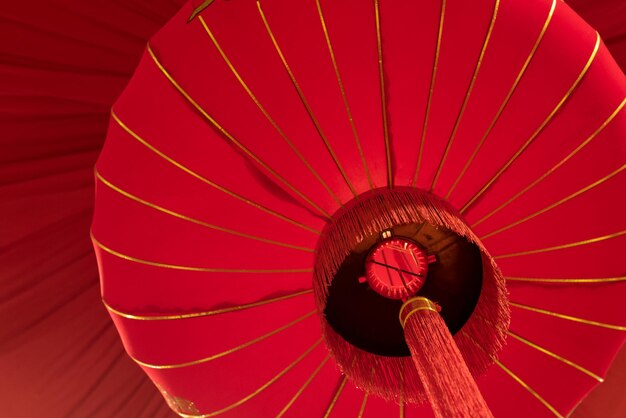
(547, 352)
(540, 128)
(402, 410)
(259, 390)
(343, 93)
(196, 221)
(563, 246)
(207, 181)
(191, 268)
(554, 205)
(514, 376)
(431, 90)
(199, 9)
(232, 139)
(470, 88)
(568, 317)
(305, 103)
(204, 313)
(336, 397)
(304, 386)
(224, 353)
(566, 281)
(504, 104)
(556, 356)
(282, 134)
(553, 169)
(573, 409)
(528, 388)
(362, 410)
(383, 99)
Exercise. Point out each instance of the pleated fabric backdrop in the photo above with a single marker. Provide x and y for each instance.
(62, 64)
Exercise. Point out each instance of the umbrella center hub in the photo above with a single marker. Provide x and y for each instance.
(396, 268)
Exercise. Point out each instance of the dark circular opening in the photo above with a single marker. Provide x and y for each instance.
(369, 321)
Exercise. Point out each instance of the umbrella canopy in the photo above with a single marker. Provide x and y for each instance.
(244, 131)
(55, 45)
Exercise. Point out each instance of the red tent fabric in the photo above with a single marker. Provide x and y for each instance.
(62, 65)
(59, 355)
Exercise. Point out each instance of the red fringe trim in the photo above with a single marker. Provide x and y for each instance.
(395, 378)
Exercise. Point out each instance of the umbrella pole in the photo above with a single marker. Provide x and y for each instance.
(448, 383)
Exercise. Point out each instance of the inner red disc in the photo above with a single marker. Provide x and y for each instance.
(396, 268)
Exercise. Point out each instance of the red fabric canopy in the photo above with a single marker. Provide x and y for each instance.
(236, 139)
(59, 355)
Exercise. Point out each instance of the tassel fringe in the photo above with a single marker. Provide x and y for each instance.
(396, 378)
(448, 383)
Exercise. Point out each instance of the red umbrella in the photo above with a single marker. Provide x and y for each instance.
(129, 393)
(242, 132)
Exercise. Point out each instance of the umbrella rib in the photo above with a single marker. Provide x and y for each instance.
(527, 387)
(555, 167)
(190, 268)
(563, 246)
(567, 281)
(303, 387)
(556, 356)
(431, 90)
(213, 312)
(546, 351)
(343, 93)
(402, 406)
(556, 204)
(507, 98)
(229, 136)
(470, 88)
(223, 353)
(207, 181)
(515, 377)
(336, 396)
(362, 410)
(259, 390)
(304, 101)
(125, 401)
(568, 317)
(256, 101)
(541, 127)
(158, 404)
(383, 98)
(193, 220)
(199, 9)
(91, 389)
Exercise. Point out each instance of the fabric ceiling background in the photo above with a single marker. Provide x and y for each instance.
(62, 64)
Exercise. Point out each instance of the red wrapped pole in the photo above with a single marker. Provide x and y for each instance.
(448, 383)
